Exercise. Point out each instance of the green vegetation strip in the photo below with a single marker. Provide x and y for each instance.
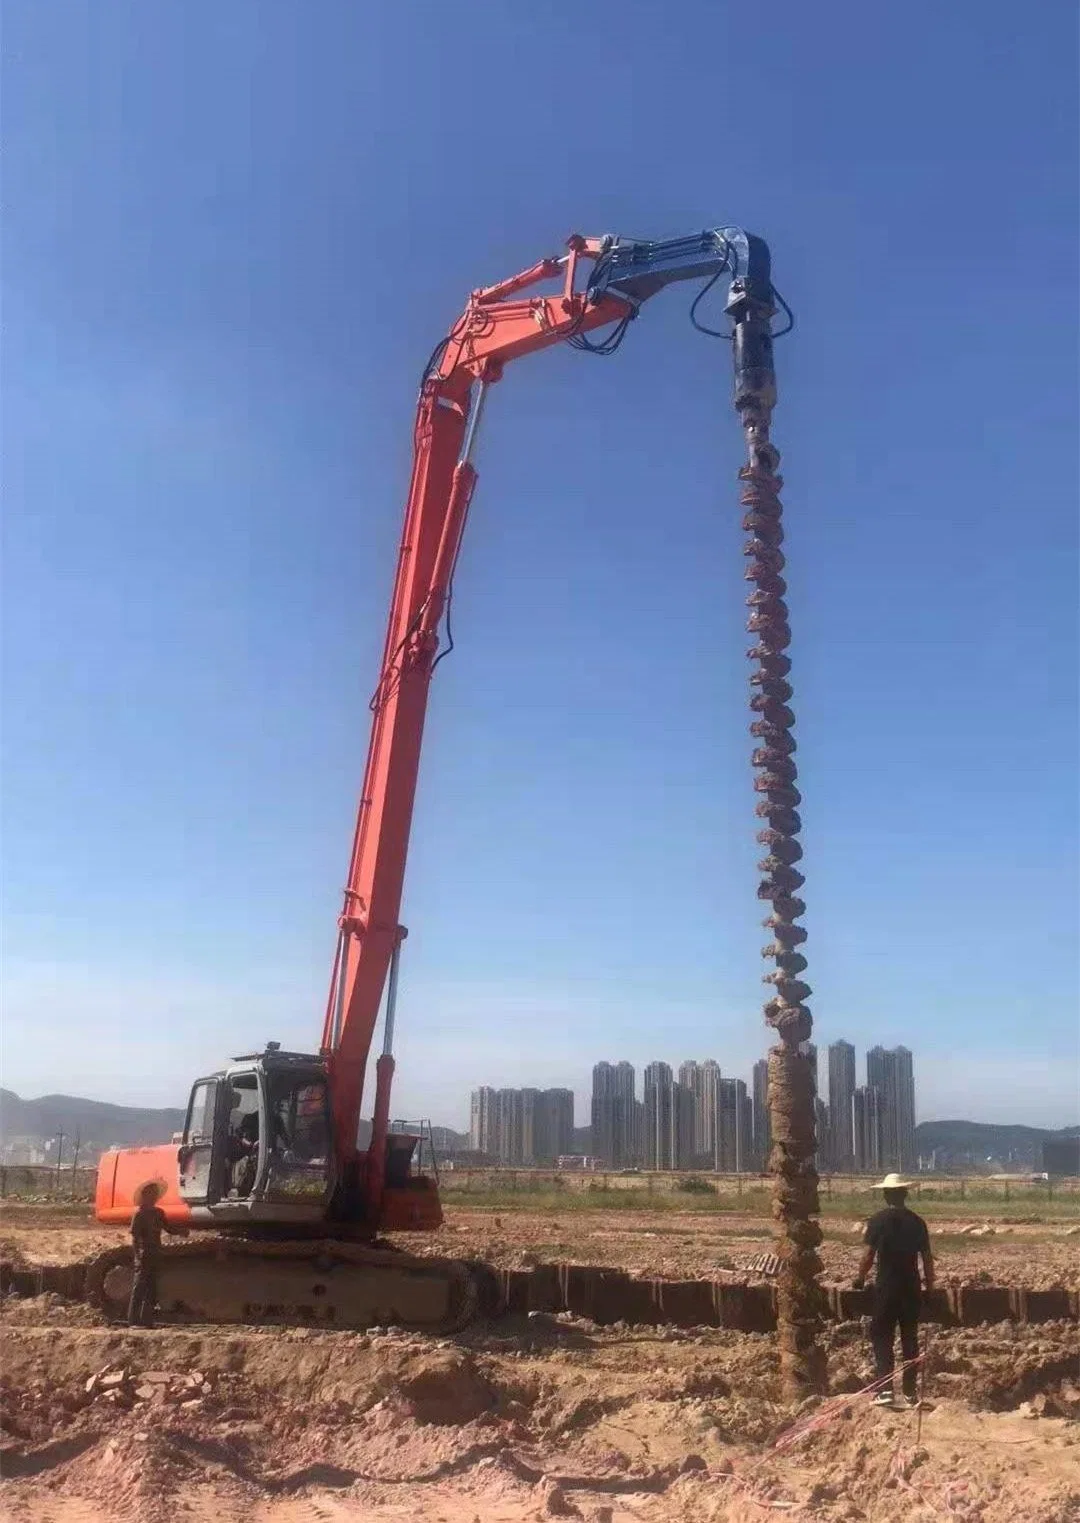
(695, 1194)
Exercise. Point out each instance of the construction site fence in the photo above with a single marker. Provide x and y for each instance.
(45, 1182)
(689, 1185)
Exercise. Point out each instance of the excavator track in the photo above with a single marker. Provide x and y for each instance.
(325, 1283)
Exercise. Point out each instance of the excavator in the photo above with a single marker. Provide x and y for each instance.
(291, 1212)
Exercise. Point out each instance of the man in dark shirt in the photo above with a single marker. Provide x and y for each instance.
(897, 1239)
(147, 1225)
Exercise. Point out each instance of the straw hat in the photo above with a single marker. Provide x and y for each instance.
(892, 1182)
(158, 1186)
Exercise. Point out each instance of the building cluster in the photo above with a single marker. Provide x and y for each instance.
(522, 1126)
(698, 1120)
(701, 1118)
(870, 1126)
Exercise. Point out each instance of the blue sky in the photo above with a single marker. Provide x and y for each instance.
(233, 235)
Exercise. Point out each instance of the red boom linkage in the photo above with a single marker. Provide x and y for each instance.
(496, 326)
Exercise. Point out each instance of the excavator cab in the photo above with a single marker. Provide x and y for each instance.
(257, 1141)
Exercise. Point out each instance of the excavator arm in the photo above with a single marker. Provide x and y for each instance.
(299, 1185)
(499, 323)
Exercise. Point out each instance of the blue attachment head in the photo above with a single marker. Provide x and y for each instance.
(636, 269)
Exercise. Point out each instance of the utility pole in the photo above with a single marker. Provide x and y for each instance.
(75, 1163)
(59, 1157)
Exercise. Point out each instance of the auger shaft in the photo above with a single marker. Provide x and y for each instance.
(791, 1085)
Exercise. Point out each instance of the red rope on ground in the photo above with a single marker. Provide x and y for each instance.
(828, 1413)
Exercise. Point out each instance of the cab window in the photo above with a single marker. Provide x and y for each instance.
(200, 1120)
(299, 1110)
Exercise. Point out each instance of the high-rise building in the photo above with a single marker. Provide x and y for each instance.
(866, 1130)
(659, 1117)
(821, 1131)
(627, 1150)
(702, 1081)
(879, 1076)
(602, 1115)
(891, 1073)
(689, 1099)
(554, 1133)
(706, 1114)
(688, 1074)
(532, 1122)
(839, 1151)
(509, 1109)
(612, 1114)
(735, 1128)
(482, 1121)
(762, 1125)
(684, 1103)
(907, 1157)
(747, 1160)
(727, 1126)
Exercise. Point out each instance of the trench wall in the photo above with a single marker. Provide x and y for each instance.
(610, 1295)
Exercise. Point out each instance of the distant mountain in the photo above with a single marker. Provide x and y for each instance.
(444, 1138)
(96, 1124)
(984, 1139)
(99, 1125)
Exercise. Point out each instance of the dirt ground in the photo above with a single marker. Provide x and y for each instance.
(686, 1245)
(665, 1243)
(525, 1420)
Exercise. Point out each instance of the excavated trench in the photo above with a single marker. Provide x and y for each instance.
(607, 1296)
